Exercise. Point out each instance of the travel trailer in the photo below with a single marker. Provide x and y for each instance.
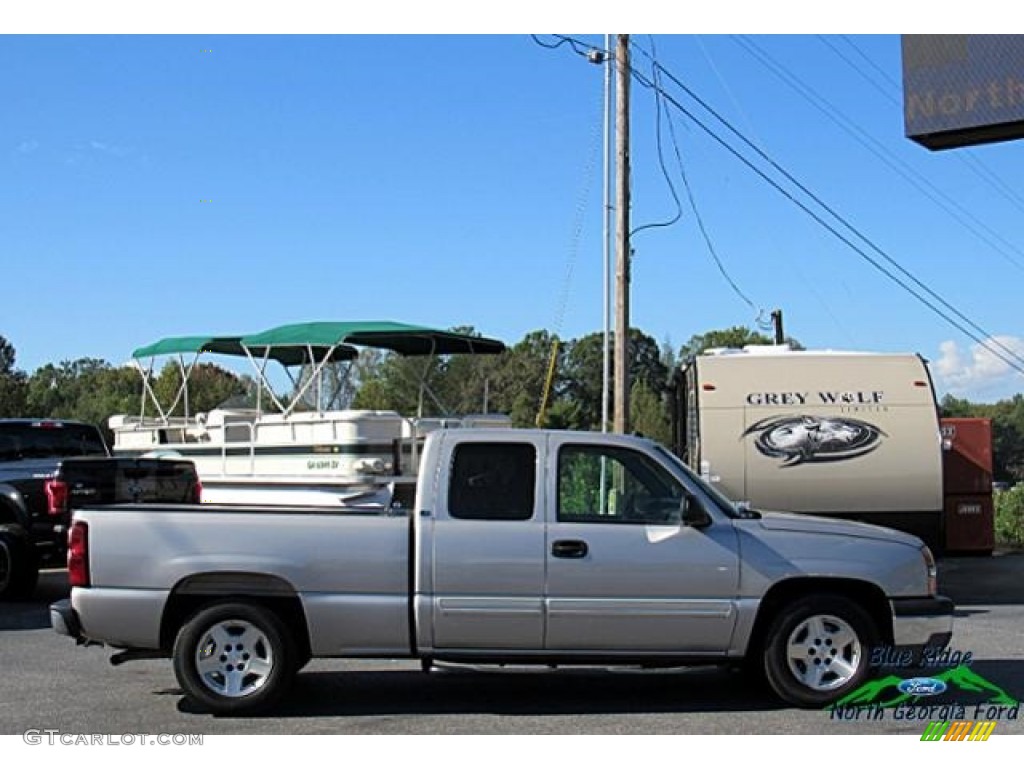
(841, 434)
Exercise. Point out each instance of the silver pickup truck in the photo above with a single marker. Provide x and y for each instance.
(522, 546)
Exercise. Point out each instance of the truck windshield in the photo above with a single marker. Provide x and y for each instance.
(48, 439)
(727, 505)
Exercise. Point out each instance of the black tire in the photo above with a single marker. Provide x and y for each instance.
(234, 658)
(834, 637)
(19, 568)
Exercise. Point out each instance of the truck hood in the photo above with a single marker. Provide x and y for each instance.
(787, 521)
(780, 546)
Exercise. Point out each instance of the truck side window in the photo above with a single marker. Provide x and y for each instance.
(492, 481)
(601, 484)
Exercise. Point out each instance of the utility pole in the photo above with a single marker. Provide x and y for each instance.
(780, 335)
(621, 376)
(606, 242)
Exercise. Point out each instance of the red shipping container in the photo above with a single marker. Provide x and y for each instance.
(970, 524)
(966, 456)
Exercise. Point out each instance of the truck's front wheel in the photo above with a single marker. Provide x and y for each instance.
(234, 657)
(818, 649)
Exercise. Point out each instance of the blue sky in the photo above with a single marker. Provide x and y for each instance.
(170, 185)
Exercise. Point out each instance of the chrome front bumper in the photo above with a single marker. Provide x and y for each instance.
(922, 622)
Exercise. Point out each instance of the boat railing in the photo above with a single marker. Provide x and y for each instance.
(232, 428)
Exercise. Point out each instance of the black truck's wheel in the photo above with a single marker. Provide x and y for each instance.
(19, 569)
(234, 658)
(818, 649)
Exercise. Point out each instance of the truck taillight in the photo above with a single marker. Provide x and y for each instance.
(56, 497)
(78, 555)
(197, 492)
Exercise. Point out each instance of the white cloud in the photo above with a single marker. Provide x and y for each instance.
(111, 149)
(27, 147)
(981, 372)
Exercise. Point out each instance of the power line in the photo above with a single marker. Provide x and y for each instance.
(578, 46)
(985, 340)
(862, 137)
(982, 341)
(691, 198)
(661, 162)
(825, 307)
(871, 62)
(887, 93)
(974, 164)
(988, 174)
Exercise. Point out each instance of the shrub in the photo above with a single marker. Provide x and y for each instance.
(1010, 516)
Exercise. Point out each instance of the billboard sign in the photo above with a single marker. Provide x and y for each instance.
(960, 90)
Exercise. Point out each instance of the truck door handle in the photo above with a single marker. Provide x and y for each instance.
(569, 548)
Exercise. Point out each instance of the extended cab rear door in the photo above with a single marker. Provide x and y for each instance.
(482, 548)
(624, 573)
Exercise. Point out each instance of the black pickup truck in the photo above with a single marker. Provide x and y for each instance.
(48, 468)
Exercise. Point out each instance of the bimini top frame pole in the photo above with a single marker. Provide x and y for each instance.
(178, 347)
(400, 338)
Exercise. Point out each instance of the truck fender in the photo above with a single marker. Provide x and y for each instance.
(782, 594)
(12, 506)
(197, 590)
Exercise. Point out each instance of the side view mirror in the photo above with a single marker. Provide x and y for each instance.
(694, 514)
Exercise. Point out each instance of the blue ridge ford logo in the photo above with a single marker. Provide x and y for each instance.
(922, 686)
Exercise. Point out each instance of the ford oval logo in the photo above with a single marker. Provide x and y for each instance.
(922, 686)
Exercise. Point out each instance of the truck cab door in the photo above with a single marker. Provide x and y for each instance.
(482, 569)
(626, 573)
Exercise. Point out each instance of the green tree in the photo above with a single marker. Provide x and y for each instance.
(1007, 437)
(736, 337)
(87, 389)
(954, 407)
(1009, 523)
(209, 385)
(511, 382)
(583, 374)
(519, 381)
(12, 382)
(648, 414)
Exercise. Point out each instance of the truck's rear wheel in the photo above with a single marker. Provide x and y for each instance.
(19, 569)
(234, 658)
(818, 650)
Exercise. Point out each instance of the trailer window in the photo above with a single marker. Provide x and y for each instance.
(492, 481)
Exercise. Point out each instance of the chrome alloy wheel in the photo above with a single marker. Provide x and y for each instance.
(234, 658)
(824, 652)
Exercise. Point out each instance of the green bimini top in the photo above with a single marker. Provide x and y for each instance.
(232, 345)
(174, 345)
(382, 334)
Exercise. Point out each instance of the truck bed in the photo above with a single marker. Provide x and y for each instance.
(348, 567)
